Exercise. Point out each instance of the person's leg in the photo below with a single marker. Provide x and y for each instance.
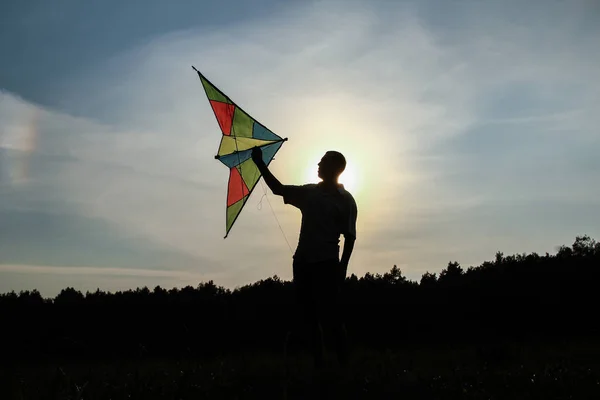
(315, 320)
(307, 308)
(326, 283)
(341, 342)
(337, 314)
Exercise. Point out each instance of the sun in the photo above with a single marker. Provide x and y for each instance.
(348, 178)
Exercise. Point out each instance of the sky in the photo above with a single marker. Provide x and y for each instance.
(470, 127)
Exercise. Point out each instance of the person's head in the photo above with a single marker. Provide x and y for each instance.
(331, 166)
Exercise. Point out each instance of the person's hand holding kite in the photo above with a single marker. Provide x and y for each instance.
(257, 155)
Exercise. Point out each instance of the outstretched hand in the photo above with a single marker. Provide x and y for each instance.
(270, 180)
(257, 155)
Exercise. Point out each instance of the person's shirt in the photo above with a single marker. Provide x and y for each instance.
(326, 214)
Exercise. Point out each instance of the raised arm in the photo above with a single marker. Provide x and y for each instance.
(272, 182)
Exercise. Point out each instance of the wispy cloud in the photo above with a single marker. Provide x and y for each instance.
(50, 280)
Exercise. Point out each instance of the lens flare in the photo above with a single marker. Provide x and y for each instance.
(19, 140)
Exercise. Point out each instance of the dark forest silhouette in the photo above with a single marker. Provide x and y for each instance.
(522, 297)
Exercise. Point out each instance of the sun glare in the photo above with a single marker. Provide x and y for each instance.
(347, 178)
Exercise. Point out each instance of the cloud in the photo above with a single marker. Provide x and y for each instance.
(67, 239)
(455, 124)
(50, 280)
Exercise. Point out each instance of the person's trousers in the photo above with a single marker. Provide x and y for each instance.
(318, 289)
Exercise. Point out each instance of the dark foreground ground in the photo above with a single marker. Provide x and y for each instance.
(516, 371)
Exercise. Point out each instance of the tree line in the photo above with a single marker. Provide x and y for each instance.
(517, 298)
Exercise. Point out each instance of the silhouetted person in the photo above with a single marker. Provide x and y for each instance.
(328, 211)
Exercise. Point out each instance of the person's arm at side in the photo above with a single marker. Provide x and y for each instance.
(272, 182)
(349, 236)
(347, 252)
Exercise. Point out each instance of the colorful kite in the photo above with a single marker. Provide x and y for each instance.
(241, 133)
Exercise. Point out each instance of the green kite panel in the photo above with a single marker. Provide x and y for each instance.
(249, 172)
(242, 124)
(233, 211)
(213, 93)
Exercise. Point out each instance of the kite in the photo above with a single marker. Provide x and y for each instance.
(240, 133)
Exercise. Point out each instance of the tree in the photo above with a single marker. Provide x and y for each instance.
(69, 296)
(584, 246)
(428, 279)
(451, 273)
(394, 276)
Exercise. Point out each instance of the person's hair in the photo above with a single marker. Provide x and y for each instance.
(339, 160)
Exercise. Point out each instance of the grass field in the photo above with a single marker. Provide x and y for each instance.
(532, 371)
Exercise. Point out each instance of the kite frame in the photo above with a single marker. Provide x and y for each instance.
(200, 75)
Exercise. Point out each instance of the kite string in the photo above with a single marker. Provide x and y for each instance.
(259, 206)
